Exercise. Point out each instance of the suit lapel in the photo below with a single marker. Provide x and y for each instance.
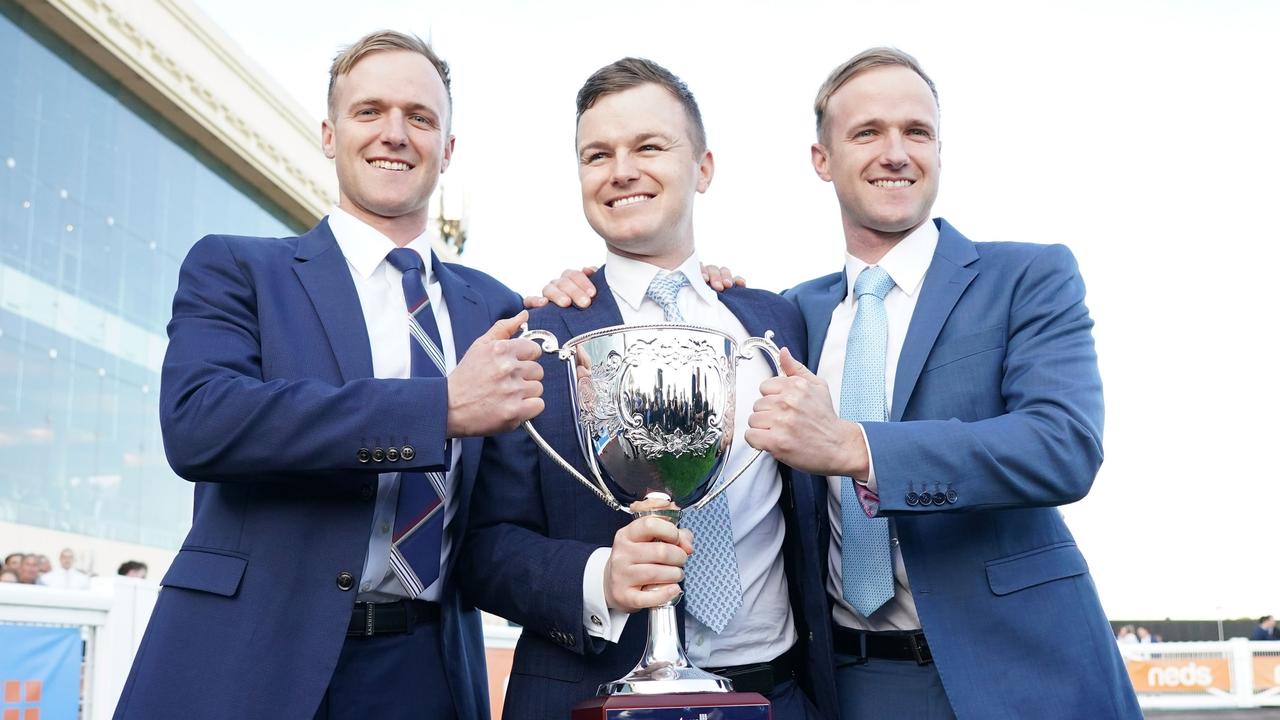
(322, 269)
(602, 312)
(816, 307)
(944, 283)
(469, 319)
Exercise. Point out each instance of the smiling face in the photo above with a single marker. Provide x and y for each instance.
(880, 149)
(639, 172)
(389, 138)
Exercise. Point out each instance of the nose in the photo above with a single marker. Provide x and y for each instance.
(394, 129)
(624, 168)
(895, 151)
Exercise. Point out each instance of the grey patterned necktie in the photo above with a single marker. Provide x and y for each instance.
(713, 589)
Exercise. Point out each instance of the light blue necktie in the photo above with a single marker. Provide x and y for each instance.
(867, 564)
(712, 587)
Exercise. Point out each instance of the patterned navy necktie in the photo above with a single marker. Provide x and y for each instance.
(419, 524)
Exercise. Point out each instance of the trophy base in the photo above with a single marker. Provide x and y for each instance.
(661, 678)
(687, 706)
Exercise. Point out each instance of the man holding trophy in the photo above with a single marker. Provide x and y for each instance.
(546, 553)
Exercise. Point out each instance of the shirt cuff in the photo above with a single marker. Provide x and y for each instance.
(597, 618)
(868, 493)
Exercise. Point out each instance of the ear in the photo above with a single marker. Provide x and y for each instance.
(447, 155)
(706, 169)
(326, 138)
(818, 154)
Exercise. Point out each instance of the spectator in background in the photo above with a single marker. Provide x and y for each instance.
(13, 561)
(1145, 636)
(65, 577)
(43, 564)
(1127, 636)
(133, 568)
(8, 576)
(1266, 629)
(29, 570)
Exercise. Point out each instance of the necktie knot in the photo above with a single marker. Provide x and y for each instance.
(664, 289)
(404, 260)
(873, 281)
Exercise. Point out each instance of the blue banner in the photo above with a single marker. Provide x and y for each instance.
(40, 672)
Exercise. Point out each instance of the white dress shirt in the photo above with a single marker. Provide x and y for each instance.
(71, 579)
(762, 629)
(906, 263)
(387, 321)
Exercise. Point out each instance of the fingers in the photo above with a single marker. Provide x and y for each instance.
(534, 301)
(526, 350)
(578, 285)
(686, 541)
(507, 327)
(792, 367)
(551, 292)
(719, 278)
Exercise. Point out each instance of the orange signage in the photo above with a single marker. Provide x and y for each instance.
(1266, 672)
(1179, 675)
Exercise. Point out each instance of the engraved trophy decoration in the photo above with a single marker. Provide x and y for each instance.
(655, 411)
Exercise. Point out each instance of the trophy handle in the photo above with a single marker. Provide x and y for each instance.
(768, 347)
(551, 345)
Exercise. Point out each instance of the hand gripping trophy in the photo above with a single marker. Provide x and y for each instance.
(655, 409)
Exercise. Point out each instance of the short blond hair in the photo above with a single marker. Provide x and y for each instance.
(382, 41)
(860, 63)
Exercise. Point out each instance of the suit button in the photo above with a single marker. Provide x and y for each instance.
(952, 496)
(407, 453)
(346, 581)
(393, 454)
(362, 455)
(939, 498)
(379, 455)
(366, 491)
(568, 639)
(555, 635)
(926, 498)
(913, 499)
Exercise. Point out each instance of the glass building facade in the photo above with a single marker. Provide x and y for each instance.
(100, 199)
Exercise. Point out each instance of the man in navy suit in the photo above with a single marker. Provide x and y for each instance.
(545, 552)
(320, 392)
(947, 549)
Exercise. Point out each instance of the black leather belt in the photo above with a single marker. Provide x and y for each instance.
(909, 645)
(762, 677)
(392, 617)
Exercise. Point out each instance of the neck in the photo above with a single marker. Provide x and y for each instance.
(400, 230)
(667, 258)
(869, 245)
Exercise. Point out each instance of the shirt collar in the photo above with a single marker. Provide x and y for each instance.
(365, 248)
(905, 262)
(629, 279)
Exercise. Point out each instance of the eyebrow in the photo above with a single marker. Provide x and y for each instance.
(637, 138)
(881, 122)
(379, 102)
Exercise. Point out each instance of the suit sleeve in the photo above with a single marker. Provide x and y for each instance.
(222, 422)
(1046, 448)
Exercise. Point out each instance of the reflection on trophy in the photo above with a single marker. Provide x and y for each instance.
(654, 406)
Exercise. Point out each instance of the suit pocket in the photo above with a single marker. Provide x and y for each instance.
(207, 571)
(966, 346)
(1035, 567)
(540, 658)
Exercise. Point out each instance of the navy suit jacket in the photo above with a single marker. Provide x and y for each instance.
(997, 399)
(533, 527)
(267, 396)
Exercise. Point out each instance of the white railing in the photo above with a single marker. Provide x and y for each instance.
(1236, 673)
(113, 615)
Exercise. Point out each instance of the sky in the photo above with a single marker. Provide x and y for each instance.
(1142, 135)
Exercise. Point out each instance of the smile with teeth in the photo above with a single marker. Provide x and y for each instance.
(893, 183)
(628, 200)
(390, 165)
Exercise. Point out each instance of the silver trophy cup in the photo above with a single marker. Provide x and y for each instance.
(655, 411)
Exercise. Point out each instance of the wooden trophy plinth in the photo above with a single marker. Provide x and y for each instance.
(676, 706)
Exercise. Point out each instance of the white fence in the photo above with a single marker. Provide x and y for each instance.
(113, 615)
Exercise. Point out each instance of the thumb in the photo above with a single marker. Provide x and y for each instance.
(792, 367)
(506, 327)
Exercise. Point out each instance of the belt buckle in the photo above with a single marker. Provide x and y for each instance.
(368, 619)
(920, 649)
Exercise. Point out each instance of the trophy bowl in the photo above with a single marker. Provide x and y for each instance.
(654, 410)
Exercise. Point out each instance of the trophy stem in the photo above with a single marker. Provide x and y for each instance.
(664, 668)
